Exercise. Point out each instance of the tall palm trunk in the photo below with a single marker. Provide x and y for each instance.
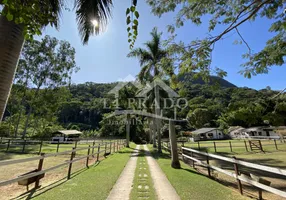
(154, 130)
(128, 122)
(174, 148)
(158, 113)
(149, 119)
(11, 43)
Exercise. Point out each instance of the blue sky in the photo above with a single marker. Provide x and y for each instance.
(104, 58)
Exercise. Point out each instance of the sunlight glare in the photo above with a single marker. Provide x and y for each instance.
(94, 22)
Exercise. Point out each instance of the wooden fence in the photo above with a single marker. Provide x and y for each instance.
(261, 184)
(231, 146)
(92, 151)
(24, 145)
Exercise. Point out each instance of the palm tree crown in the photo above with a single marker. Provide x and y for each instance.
(87, 10)
(150, 58)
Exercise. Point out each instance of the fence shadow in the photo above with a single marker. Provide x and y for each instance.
(37, 192)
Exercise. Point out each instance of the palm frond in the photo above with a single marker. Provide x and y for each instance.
(144, 73)
(144, 56)
(56, 7)
(87, 10)
(155, 44)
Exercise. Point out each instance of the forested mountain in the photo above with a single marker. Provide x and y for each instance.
(81, 106)
(212, 80)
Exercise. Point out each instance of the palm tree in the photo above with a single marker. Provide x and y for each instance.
(150, 59)
(12, 34)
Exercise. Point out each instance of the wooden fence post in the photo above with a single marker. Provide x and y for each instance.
(199, 145)
(87, 159)
(237, 174)
(105, 148)
(8, 145)
(70, 164)
(98, 150)
(113, 147)
(58, 146)
(245, 146)
(275, 144)
(41, 145)
(209, 169)
(193, 160)
(75, 144)
(230, 146)
(214, 146)
(40, 166)
(93, 144)
(110, 147)
(24, 145)
(117, 145)
(260, 145)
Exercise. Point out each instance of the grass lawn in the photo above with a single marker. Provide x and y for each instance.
(94, 183)
(237, 146)
(142, 184)
(191, 185)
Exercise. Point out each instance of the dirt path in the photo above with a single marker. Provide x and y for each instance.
(123, 185)
(163, 188)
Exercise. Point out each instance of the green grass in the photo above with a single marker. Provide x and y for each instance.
(141, 169)
(191, 185)
(238, 146)
(94, 183)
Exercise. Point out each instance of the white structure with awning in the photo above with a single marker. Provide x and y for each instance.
(66, 135)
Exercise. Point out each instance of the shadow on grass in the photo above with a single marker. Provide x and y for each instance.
(37, 192)
(30, 194)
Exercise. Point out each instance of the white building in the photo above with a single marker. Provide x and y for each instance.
(207, 134)
(262, 132)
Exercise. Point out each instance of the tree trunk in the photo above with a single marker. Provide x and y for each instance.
(30, 111)
(127, 130)
(154, 133)
(22, 103)
(150, 129)
(17, 124)
(11, 43)
(35, 125)
(27, 122)
(174, 148)
(158, 113)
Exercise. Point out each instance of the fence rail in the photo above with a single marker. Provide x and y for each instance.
(115, 145)
(237, 175)
(36, 146)
(234, 145)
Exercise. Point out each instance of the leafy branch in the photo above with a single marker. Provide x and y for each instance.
(132, 16)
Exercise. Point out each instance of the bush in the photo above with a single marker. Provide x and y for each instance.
(4, 130)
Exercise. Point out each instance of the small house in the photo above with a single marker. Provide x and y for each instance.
(66, 136)
(260, 132)
(237, 132)
(207, 134)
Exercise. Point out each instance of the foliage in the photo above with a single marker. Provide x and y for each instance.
(197, 55)
(32, 14)
(44, 67)
(35, 14)
(6, 130)
(83, 106)
(132, 16)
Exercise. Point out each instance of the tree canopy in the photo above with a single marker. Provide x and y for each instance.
(228, 15)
